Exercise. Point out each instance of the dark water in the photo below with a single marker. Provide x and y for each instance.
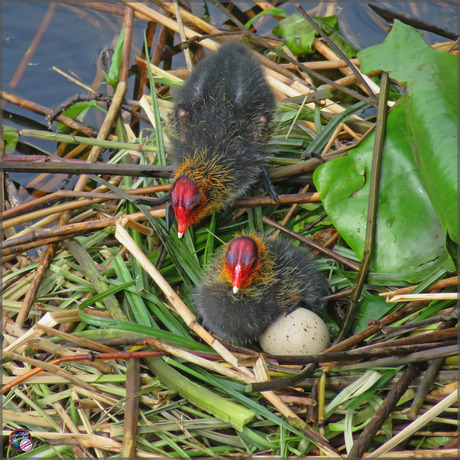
(77, 33)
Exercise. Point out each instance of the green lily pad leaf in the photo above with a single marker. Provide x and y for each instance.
(417, 194)
(409, 237)
(330, 25)
(298, 33)
(372, 307)
(275, 12)
(431, 82)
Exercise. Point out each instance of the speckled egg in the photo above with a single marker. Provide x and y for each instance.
(302, 332)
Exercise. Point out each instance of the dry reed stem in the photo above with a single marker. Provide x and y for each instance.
(291, 88)
(84, 420)
(322, 65)
(52, 213)
(169, 23)
(99, 397)
(49, 320)
(180, 23)
(22, 418)
(446, 282)
(295, 198)
(352, 79)
(205, 363)
(422, 297)
(65, 418)
(190, 18)
(415, 425)
(445, 390)
(91, 198)
(158, 71)
(332, 139)
(74, 80)
(67, 422)
(39, 366)
(355, 136)
(47, 378)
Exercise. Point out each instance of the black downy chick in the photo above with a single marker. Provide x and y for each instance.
(221, 122)
(252, 283)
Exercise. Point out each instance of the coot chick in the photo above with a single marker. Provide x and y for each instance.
(221, 122)
(252, 283)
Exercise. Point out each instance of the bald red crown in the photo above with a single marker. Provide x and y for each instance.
(242, 261)
(186, 202)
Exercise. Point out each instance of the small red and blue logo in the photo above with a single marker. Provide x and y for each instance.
(21, 440)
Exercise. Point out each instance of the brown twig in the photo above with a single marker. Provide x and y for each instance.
(62, 195)
(362, 443)
(447, 349)
(41, 110)
(53, 167)
(323, 65)
(416, 424)
(371, 221)
(446, 282)
(295, 198)
(325, 251)
(39, 367)
(338, 51)
(429, 376)
(131, 408)
(64, 231)
(355, 355)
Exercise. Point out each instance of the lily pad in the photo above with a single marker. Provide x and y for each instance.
(300, 35)
(410, 238)
(409, 235)
(432, 113)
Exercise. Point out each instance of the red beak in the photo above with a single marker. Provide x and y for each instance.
(182, 223)
(238, 278)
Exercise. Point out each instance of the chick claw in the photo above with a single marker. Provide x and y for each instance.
(268, 184)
